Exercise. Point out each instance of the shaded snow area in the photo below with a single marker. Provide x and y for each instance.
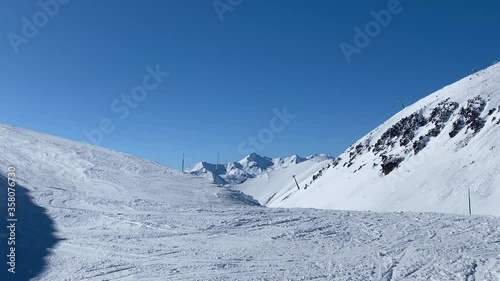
(96, 214)
(423, 159)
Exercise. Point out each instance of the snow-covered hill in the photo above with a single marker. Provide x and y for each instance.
(252, 166)
(88, 213)
(425, 158)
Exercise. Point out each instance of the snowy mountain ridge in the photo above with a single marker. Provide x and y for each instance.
(251, 166)
(425, 158)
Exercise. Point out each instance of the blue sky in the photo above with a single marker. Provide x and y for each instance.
(227, 76)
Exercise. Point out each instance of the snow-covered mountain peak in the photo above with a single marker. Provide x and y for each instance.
(254, 160)
(294, 159)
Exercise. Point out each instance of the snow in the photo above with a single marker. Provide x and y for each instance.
(252, 166)
(423, 159)
(276, 184)
(96, 214)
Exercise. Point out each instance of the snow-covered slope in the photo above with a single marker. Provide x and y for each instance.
(425, 158)
(279, 183)
(252, 166)
(88, 213)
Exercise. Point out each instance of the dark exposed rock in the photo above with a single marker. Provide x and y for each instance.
(354, 151)
(421, 143)
(361, 167)
(476, 125)
(439, 116)
(404, 130)
(469, 116)
(458, 125)
(389, 163)
(408, 132)
(442, 113)
(333, 164)
(434, 132)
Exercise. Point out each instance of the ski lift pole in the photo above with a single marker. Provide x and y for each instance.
(183, 162)
(217, 165)
(296, 182)
(216, 168)
(402, 103)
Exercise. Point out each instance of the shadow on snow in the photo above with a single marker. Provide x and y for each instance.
(34, 235)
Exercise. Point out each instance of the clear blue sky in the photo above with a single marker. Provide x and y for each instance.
(227, 76)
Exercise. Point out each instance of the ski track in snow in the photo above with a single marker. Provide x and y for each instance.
(252, 243)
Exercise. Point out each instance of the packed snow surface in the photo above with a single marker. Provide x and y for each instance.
(96, 214)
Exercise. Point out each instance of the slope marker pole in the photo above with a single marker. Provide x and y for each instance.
(470, 208)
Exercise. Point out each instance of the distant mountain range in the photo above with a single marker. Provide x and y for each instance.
(249, 167)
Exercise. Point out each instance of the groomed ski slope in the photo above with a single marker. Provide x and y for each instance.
(423, 159)
(118, 217)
